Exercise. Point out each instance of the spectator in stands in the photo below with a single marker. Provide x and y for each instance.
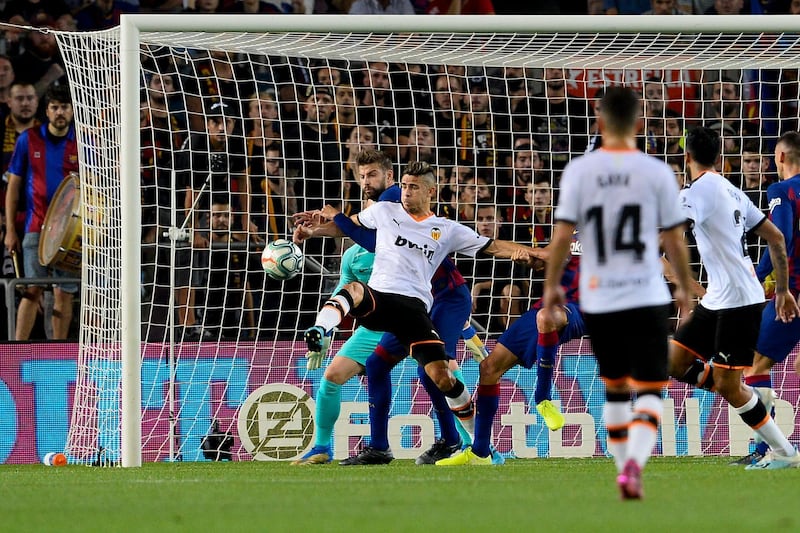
(535, 224)
(209, 163)
(361, 138)
(253, 6)
(654, 109)
(673, 132)
(102, 14)
(228, 299)
(794, 7)
(35, 12)
(474, 190)
(477, 129)
(264, 126)
(420, 145)
(215, 75)
(663, 7)
(754, 184)
(460, 7)
(6, 79)
(313, 152)
(723, 103)
(527, 162)
(493, 282)
(202, 6)
(381, 7)
(449, 191)
(595, 140)
(378, 105)
(346, 118)
(40, 63)
(56, 142)
(728, 7)
(448, 94)
(328, 75)
(625, 7)
(559, 121)
(22, 103)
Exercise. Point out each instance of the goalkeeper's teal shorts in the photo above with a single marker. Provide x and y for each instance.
(360, 345)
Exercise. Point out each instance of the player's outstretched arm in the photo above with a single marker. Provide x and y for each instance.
(785, 304)
(516, 252)
(309, 224)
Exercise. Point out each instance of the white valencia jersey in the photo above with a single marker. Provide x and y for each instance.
(620, 200)
(409, 250)
(721, 214)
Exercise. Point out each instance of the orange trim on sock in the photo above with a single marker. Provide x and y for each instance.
(761, 424)
(652, 425)
(731, 367)
(432, 341)
(615, 382)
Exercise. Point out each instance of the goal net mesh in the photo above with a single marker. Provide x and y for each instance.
(240, 130)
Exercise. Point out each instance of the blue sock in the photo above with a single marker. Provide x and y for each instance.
(447, 423)
(487, 403)
(329, 403)
(546, 349)
(466, 438)
(379, 393)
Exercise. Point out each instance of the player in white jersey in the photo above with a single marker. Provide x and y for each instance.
(411, 243)
(620, 199)
(724, 328)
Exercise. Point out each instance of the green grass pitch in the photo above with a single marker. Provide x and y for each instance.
(681, 494)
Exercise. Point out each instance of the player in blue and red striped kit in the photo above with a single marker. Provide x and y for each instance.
(534, 336)
(776, 339)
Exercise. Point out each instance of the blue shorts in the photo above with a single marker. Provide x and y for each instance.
(449, 313)
(776, 339)
(34, 269)
(360, 345)
(523, 335)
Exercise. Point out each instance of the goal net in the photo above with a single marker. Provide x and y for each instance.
(200, 136)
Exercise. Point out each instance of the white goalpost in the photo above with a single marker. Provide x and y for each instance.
(182, 335)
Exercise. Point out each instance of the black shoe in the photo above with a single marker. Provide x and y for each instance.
(369, 456)
(313, 337)
(747, 460)
(439, 450)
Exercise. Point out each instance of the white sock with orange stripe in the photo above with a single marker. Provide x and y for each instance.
(460, 403)
(617, 416)
(643, 433)
(332, 312)
(755, 415)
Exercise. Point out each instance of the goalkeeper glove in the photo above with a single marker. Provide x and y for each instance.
(477, 348)
(314, 359)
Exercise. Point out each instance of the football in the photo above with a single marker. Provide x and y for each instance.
(282, 260)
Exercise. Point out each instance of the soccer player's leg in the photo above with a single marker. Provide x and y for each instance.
(776, 340)
(548, 340)
(348, 362)
(691, 348)
(737, 333)
(518, 339)
(450, 441)
(333, 312)
(378, 366)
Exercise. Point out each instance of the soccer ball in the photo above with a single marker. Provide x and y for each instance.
(282, 259)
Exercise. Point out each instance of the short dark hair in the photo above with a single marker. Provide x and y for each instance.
(620, 109)
(704, 145)
(791, 141)
(421, 169)
(274, 146)
(58, 93)
(368, 157)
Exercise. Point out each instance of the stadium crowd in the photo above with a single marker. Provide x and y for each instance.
(240, 131)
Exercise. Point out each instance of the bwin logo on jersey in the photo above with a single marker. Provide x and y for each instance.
(436, 234)
(403, 242)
